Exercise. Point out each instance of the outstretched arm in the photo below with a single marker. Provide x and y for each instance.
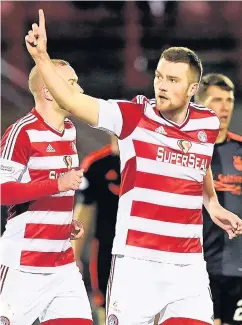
(225, 219)
(82, 106)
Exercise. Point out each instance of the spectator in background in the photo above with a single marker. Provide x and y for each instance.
(224, 257)
(97, 203)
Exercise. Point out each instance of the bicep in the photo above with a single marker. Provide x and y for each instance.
(119, 117)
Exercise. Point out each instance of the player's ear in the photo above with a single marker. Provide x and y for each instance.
(193, 88)
(47, 94)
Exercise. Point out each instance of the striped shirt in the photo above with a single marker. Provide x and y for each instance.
(162, 169)
(37, 235)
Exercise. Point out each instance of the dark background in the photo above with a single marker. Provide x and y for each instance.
(115, 46)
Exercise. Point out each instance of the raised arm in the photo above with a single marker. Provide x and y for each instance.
(82, 106)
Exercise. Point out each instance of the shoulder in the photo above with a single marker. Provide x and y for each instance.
(234, 137)
(20, 127)
(95, 157)
(141, 99)
(202, 112)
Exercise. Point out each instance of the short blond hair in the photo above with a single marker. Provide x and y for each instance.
(36, 81)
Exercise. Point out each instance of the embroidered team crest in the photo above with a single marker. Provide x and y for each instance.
(184, 145)
(68, 161)
(4, 320)
(202, 136)
(112, 320)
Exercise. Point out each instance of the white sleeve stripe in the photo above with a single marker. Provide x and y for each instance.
(140, 99)
(11, 140)
(7, 146)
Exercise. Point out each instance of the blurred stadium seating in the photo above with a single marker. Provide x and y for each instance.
(114, 48)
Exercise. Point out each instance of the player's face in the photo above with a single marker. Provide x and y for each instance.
(222, 102)
(68, 73)
(172, 86)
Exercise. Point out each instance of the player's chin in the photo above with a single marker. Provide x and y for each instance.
(163, 105)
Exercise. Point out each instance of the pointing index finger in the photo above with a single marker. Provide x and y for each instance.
(42, 21)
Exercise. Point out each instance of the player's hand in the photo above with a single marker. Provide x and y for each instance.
(77, 230)
(226, 220)
(36, 40)
(70, 180)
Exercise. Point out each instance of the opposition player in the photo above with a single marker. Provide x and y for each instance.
(39, 176)
(166, 145)
(223, 257)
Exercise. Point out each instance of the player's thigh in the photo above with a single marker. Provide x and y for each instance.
(196, 310)
(23, 296)
(70, 303)
(131, 294)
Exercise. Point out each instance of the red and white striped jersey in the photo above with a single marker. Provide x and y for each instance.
(162, 169)
(37, 236)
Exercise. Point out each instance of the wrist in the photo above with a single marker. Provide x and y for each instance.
(212, 203)
(41, 57)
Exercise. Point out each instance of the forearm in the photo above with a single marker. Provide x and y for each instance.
(84, 214)
(15, 193)
(68, 97)
(209, 193)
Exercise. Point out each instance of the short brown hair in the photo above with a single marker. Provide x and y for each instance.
(213, 79)
(184, 55)
(35, 80)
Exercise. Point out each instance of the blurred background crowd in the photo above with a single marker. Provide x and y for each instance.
(114, 47)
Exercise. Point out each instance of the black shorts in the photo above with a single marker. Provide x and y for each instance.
(227, 298)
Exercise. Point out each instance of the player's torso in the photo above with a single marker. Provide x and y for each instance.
(222, 254)
(38, 232)
(163, 166)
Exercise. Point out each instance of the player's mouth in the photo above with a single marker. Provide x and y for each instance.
(162, 97)
(224, 118)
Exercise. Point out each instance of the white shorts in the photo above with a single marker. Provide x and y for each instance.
(138, 290)
(50, 297)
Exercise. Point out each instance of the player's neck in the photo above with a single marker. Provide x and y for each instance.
(222, 136)
(177, 116)
(52, 117)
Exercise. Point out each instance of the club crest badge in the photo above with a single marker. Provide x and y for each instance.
(184, 145)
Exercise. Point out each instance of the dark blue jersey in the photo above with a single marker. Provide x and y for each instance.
(224, 256)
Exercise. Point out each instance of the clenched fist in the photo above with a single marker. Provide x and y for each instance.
(70, 180)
